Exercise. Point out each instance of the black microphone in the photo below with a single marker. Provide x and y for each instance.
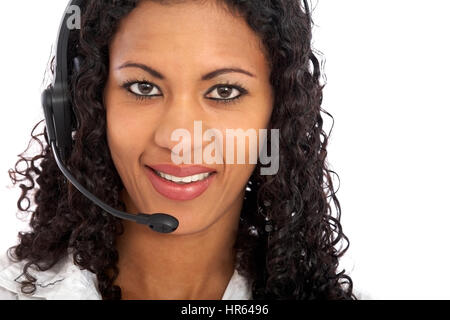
(160, 222)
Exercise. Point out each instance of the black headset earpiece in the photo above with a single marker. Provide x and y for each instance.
(59, 115)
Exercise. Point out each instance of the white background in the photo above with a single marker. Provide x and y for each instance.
(387, 67)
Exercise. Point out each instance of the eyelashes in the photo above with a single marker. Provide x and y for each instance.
(138, 85)
(144, 90)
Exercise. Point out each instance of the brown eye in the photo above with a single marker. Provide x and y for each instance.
(142, 88)
(225, 93)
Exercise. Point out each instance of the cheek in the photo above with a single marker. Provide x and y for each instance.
(123, 135)
(255, 119)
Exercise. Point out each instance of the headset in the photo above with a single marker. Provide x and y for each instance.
(60, 121)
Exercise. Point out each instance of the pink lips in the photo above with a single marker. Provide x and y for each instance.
(176, 191)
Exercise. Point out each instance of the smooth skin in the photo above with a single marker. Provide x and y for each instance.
(182, 42)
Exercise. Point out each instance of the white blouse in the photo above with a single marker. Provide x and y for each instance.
(66, 281)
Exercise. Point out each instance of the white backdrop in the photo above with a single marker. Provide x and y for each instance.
(387, 72)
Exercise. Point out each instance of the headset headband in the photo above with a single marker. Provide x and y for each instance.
(63, 120)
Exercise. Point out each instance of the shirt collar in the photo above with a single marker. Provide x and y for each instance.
(66, 281)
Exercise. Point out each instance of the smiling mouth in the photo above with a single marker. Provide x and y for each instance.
(180, 188)
(183, 180)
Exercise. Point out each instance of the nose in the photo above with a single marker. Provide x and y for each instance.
(178, 117)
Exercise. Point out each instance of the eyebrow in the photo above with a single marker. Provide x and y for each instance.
(205, 77)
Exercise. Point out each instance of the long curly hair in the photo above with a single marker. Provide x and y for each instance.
(297, 259)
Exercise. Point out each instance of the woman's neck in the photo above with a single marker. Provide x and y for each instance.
(170, 266)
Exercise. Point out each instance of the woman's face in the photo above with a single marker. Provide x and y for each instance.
(183, 43)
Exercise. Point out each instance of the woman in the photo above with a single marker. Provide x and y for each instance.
(148, 69)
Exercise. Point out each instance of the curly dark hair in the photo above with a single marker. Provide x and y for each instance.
(298, 259)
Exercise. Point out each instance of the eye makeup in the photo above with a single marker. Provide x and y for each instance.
(127, 85)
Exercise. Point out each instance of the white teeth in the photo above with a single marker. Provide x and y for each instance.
(183, 180)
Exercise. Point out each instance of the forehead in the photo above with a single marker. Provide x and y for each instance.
(186, 33)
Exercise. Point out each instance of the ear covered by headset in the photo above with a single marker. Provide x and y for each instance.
(60, 118)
